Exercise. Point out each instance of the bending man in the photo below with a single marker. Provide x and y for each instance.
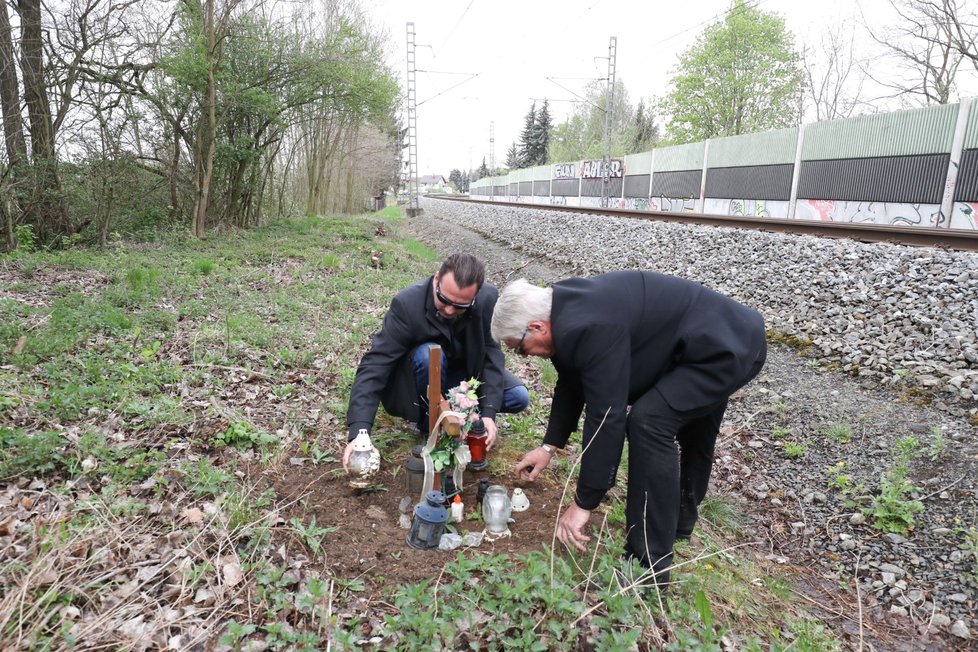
(673, 350)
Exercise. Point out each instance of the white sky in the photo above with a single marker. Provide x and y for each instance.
(515, 46)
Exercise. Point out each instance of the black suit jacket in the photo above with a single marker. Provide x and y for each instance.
(618, 335)
(385, 373)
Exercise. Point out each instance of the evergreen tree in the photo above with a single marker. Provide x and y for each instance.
(455, 178)
(483, 171)
(526, 151)
(465, 181)
(646, 134)
(541, 135)
(513, 157)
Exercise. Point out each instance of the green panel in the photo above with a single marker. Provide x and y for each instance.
(764, 148)
(540, 173)
(526, 174)
(903, 133)
(638, 163)
(971, 136)
(679, 157)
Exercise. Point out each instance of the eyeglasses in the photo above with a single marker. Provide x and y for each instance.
(519, 347)
(449, 302)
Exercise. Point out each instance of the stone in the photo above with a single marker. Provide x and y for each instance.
(960, 629)
(857, 519)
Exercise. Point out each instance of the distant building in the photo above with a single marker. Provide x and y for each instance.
(433, 183)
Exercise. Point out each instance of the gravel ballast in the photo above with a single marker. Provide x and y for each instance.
(881, 376)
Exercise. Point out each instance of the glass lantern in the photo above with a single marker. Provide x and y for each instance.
(364, 461)
(496, 509)
(476, 440)
(430, 516)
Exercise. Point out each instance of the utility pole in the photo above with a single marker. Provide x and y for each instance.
(412, 118)
(609, 121)
(492, 156)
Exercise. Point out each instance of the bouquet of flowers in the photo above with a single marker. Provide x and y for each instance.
(464, 401)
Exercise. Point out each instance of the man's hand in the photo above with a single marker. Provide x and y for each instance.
(490, 425)
(346, 456)
(570, 527)
(533, 463)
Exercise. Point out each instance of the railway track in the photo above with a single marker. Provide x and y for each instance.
(952, 239)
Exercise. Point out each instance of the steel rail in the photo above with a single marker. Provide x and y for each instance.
(944, 238)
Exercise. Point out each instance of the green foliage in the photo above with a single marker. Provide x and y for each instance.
(30, 454)
(742, 75)
(310, 533)
(794, 449)
(581, 135)
(721, 513)
(25, 237)
(938, 444)
(839, 432)
(838, 479)
(243, 435)
(203, 266)
(893, 509)
(419, 250)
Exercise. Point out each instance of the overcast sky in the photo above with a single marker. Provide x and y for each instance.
(529, 50)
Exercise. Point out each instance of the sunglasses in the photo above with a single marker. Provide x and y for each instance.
(449, 302)
(519, 347)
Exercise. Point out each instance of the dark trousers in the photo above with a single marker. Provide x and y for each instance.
(670, 458)
(516, 397)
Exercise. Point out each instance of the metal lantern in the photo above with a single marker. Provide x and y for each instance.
(364, 461)
(429, 521)
(414, 473)
(496, 509)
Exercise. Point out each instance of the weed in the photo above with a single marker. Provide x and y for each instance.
(839, 432)
(418, 250)
(311, 534)
(242, 435)
(30, 455)
(203, 266)
(838, 480)
(25, 237)
(794, 449)
(893, 508)
(780, 433)
(937, 445)
(721, 513)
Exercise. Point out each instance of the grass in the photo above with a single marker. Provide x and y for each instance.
(159, 382)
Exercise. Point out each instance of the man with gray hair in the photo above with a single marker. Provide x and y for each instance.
(673, 350)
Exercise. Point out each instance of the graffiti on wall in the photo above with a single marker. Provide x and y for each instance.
(829, 210)
(565, 171)
(595, 169)
(672, 204)
(746, 207)
(558, 200)
(965, 215)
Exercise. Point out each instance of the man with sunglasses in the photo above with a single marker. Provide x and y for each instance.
(671, 349)
(453, 309)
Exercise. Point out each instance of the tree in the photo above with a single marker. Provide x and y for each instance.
(540, 142)
(514, 157)
(646, 134)
(742, 75)
(455, 179)
(482, 172)
(526, 153)
(929, 41)
(581, 136)
(834, 81)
